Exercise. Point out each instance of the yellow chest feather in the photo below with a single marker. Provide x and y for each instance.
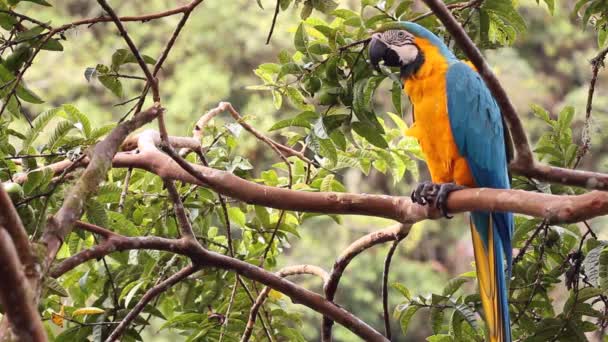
(427, 92)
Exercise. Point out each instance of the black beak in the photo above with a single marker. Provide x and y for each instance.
(379, 51)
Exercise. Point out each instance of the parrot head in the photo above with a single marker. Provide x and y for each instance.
(403, 44)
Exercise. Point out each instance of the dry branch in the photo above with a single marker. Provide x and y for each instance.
(100, 162)
(147, 297)
(16, 297)
(205, 258)
(284, 272)
(396, 232)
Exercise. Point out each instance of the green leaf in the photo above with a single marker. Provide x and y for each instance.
(370, 134)
(440, 338)
(326, 183)
(306, 10)
(301, 120)
(324, 6)
(591, 265)
(55, 287)
(81, 121)
(403, 290)
(112, 83)
(406, 316)
(603, 269)
(297, 99)
(184, 318)
(38, 125)
(124, 56)
(453, 286)
(237, 216)
(301, 39)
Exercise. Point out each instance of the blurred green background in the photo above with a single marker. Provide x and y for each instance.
(214, 61)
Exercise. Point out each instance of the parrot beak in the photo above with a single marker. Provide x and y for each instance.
(380, 51)
(377, 50)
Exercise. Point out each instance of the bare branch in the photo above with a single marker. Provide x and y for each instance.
(147, 297)
(396, 232)
(142, 64)
(16, 297)
(284, 272)
(596, 63)
(205, 258)
(387, 265)
(10, 220)
(185, 227)
(62, 222)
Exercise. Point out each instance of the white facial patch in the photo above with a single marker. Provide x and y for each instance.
(407, 53)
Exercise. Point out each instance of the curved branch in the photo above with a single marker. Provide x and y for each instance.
(284, 272)
(205, 258)
(100, 162)
(10, 220)
(16, 297)
(147, 297)
(392, 233)
(387, 265)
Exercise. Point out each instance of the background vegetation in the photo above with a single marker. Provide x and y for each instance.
(300, 89)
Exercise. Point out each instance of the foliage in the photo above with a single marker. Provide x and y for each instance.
(348, 117)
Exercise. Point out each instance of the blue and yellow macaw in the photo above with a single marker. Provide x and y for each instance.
(464, 141)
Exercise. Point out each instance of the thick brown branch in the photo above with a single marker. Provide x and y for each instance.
(185, 227)
(206, 258)
(147, 297)
(100, 162)
(556, 208)
(16, 297)
(396, 232)
(10, 220)
(284, 272)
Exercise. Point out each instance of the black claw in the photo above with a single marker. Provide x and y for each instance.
(437, 194)
(419, 194)
(441, 200)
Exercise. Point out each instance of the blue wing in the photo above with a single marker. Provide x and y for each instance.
(478, 132)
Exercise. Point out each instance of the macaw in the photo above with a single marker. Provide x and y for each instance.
(465, 143)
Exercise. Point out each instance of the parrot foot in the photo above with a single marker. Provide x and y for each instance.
(437, 194)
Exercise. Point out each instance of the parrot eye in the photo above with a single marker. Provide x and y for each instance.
(401, 34)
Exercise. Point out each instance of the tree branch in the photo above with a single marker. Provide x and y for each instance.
(396, 232)
(62, 222)
(16, 296)
(284, 272)
(387, 265)
(205, 258)
(596, 63)
(10, 220)
(142, 64)
(147, 297)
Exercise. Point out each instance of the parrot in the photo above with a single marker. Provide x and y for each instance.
(465, 143)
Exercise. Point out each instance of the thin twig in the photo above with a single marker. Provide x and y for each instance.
(387, 265)
(147, 297)
(596, 63)
(142, 64)
(125, 190)
(274, 21)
